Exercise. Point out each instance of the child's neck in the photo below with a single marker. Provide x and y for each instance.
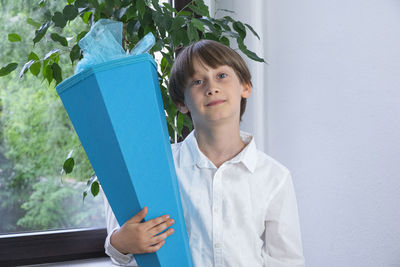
(219, 143)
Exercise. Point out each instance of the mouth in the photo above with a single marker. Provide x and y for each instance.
(214, 103)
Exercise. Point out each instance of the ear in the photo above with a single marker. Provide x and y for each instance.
(246, 90)
(182, 108)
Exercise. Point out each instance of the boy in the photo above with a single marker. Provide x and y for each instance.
(239, 204)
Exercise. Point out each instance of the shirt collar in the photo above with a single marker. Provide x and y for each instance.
(191, 155)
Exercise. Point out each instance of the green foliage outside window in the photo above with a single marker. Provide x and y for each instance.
(36, 135)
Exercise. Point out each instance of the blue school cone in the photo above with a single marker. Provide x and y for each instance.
(117, 111)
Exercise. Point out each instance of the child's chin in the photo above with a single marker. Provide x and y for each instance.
(219, 118)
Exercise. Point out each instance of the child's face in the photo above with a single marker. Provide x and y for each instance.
(214, 95)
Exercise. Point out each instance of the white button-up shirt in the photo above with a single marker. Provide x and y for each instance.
(243, 213)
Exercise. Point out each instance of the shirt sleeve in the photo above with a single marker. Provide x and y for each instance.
(282, 238)
(112, 225)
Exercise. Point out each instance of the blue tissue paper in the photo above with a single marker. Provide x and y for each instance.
(104, 43)
(144, 45)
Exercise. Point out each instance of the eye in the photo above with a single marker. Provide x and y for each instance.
(197, 82)
(222, 75)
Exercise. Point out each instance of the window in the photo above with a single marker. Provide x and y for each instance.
(43, 216)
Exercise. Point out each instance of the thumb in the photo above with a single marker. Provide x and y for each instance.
(139, 216)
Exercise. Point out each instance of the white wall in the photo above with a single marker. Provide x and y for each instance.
(254, 120)
(332, 102)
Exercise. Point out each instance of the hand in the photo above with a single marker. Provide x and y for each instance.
(137, 237)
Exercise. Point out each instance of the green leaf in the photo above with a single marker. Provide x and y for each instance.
(170, 8)
(86, 17)
(95, 4)
(148, 28)
(224, 40)
(210, 25)
(168, 58)
(179, 123)
(198, 24)
(81, 3)
(58, 38)
(252, 30)
(91, 180)
(185, 13)
(159, 45)
(156, 5)
(89, 185)
(199, 11)
(45, 62)
(26, 67)
(70, 12)
(32, 22)
(239, 28)
(13, 37)
(69, 165)
(51, 53)
(57, 72)
(211, 36)
(95, 188)
(172, 125)
(228, 19)
(225, 10)
(81, 35)
(130, 13)
(48, 73)
(223, 24)
(35, 68)
(59, 20)
(188, 122)
(75, 53)
(219, 28)
(247, 52)
(141, 7)
(41, 32)
(33, 56)
(109, 6)
(171, 132)
(8, 69)
(70, 1)
(177, 23)
(203, 7)
(192, 33)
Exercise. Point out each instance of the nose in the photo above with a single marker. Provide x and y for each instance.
(212, 90)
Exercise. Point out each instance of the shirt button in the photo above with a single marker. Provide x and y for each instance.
(218, 245)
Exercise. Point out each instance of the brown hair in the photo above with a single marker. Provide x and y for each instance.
(212, 54)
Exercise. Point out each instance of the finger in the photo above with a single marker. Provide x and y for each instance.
(161, 227)
(155, 247)
(162, 236)
(139, 216)
(156, 221)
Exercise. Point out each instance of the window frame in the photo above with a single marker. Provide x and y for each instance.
(51, 246)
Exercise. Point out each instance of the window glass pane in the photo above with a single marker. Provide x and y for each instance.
(36, 137)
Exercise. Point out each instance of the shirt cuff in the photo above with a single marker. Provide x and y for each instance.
(116, 256)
